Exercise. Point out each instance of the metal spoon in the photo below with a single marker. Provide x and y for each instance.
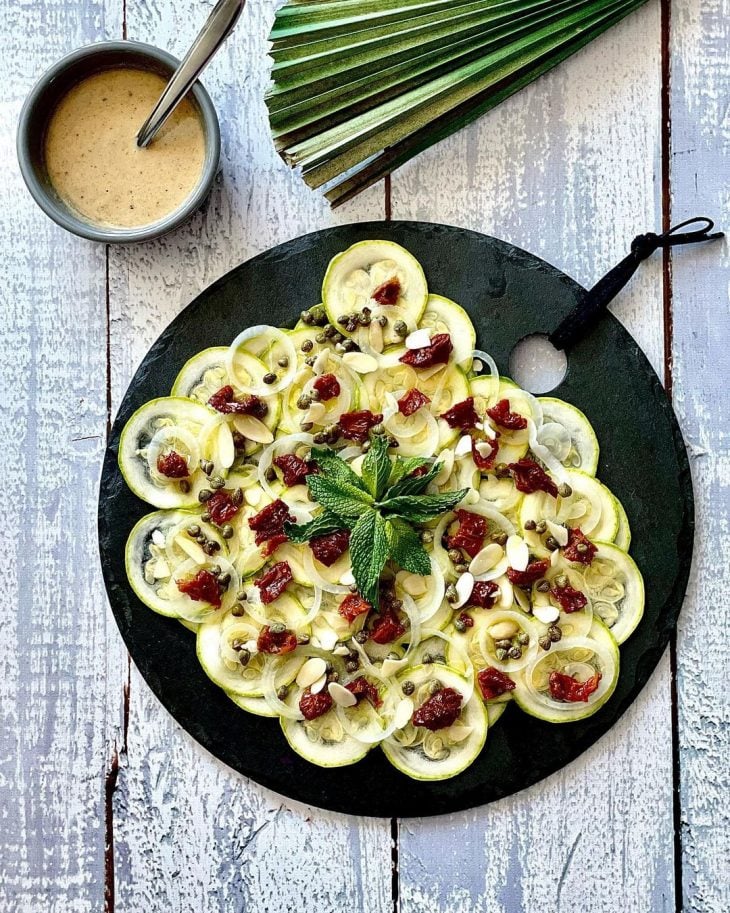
(215, 31)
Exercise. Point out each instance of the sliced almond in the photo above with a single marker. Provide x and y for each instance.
(347, 579)
(161, 569)
(547, 614)
(506, 594)
(483, 449)
(418, 339)
(464, 586)
(404, 712)
(463, 446)
(311, 671)
(554, 558)
(458, 731)
(558, 532)
(251, 646)
(391, 666)
(192, 549)
(340, 695)
(375, 336)
(252, 496)
(319, 684)
(486, 559)
(489, 429)
(321, 362)
(314, 414)
(158, 538)
(225, 448)
(327, 639)
(341, 651)
(414, 584)
(360, 362)
(518, 553)
(503, 630)
(446, 458)
(253, 429)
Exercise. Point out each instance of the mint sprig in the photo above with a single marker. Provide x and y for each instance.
(378, 508)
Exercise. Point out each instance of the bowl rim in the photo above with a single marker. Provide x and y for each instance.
(63, 216)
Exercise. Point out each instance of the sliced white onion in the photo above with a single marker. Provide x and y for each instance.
(428, 445)
(317, 579)
(543, 454)
(270, 333)
(487, 360)
(268, 683)
(165, 440)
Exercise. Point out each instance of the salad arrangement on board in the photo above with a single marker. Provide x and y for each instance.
(376, 538)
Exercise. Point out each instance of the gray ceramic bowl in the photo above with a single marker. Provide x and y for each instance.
(41, 102)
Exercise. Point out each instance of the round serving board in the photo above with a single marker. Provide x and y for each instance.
(509, 294)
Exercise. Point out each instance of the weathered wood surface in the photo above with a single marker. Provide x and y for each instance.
(571, 169)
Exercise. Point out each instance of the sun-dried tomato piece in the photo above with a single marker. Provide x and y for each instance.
(271, 545)
(568, 599)
(484, 461)
(439, 711)
(173, 465)
(276, 642)
(203, 587)
(270, 521)
(387, 627)
(461, 415)
(493, 683)
(356, 425)
(484, 594)
(418, 472)
(328, 548)
(314, 705)
(533, 572)
(466, 620)
(327, 386)
(411, 402)
(565, 688)
(502, 416)
(361, 688)
(352, 606)
(294, 469)
(221, 507)
(435, 354)
(387, 292)
(529, 477)
(470, 533)
(273, 583)
(579, 548)
(225, 401)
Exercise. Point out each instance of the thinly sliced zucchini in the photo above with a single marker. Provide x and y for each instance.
(580, 657)
(157, 428)
(255, 705)
(512, 444)
(616, 589)
(442, 754)
(623, 536)
(445, 316)
(322, 741)
(202, 375)
(355, 274)
(591, 507)
(146, 561)
(568, 434)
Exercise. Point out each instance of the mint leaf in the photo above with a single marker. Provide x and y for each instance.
(413, 485)
(405, 548)
(325, 523)
(376, 466)
(420, 508)
(404, 466)
(341, 498)
(368, 553)
(335, 468)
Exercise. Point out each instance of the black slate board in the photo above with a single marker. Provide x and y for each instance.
(509, 294)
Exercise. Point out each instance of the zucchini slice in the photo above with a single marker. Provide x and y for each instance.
(439, 755)
(445, 316)
(157, 428)
(616, 589)
(202, 375)
(568, 434)
(591, 507)
(355, 274)
(623, 536)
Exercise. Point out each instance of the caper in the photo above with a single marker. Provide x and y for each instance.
(352, 666)
(439, 658)
(237, 496)
(307, 317)
(320, 338)
(208, 548)
(320, 438)
(349, 345)
(307, 345)
(426, 536)
(204, 495)
(514, 653)
(310, 361)
(184, 486)
(407, 687)
(500, 654)
(383, 320)
(561, 581)
(503, 644)
(239, 441)
(237, 610)
(564, 490)
(303, 639)
(282, 692)
(215, 546)
(393, 442)
(353, 588)
(501, 470)
(460, 625)
(215, 570)
(332, 432)
(193, 530)
(337, 338)
(333, 677)
(501, 539)
(351, 327)
(552, 543)
(306, 426)
(454, 555)
(237, 644)
(340, 347)
(243, 657)
(461, 568)
(543, 586)
(400, 328)
(365, 446)
(269, 377)
(451, 594)
(364, 320)
(277, 628)
(554, 633)
(328, 330)
(319, 314)
(205, 517)
(227, 531)
(530, 525)
(217, 482)
(523, 639)
(545, 642)
(344, 319)
(378, 429)
(362, 637)
(427, 659)
(241, 595)
(540, 527)
(435, 686)
(304, 401)
(283, 361)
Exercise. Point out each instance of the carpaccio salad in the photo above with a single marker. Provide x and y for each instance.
(375, 537)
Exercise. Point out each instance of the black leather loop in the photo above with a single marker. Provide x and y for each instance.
(580, 321)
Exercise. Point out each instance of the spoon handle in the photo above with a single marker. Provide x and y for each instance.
(215, 31)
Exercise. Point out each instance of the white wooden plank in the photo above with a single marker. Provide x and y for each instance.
(568, 169)
(53, 655)
(700, 182)
(189, 833)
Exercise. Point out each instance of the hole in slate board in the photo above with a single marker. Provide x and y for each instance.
(536, 365)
